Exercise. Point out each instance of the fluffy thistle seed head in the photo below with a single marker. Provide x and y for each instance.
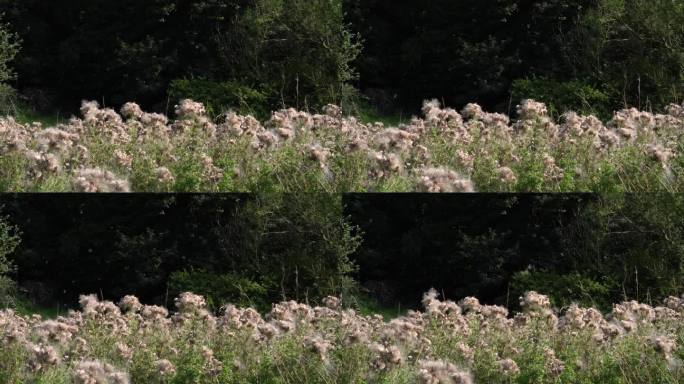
(131, 111)
(165, 368)
(97, 180)
(332, 302)
(130, 303)
(443, 180)
(506, 175)
(530, 109)
(97, 372)
(508, 367)
(189, 302)
(441, 372)
(533, 301)
(189, 109)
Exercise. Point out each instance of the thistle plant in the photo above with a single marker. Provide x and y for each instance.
(444, 151)
(447, 342)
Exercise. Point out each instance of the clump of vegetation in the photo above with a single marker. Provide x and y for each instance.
(561, 97)
(9, 47)
(445, 151)
(9, 240)
(448, 342)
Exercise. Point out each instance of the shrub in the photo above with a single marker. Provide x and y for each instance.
(9, 47)
(220, 97)
(634, 48)
(297, 151)
(446, 342)
(221, 288)
(632, 243)
(263, 54)
(9, 240)
(299, 246)
(561, 97)
(565, 289)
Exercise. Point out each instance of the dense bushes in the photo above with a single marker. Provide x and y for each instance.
(297, 151)
(448, 342)
(561, 97)
(268, 247)
(590, 249)
(278, 54)
(9, 240)
(617, 247)
(633, 50)
(628, 51)
(9, 47)
(254, 250)
(260, 55)
(459, 244)
(284, 246)
(617, 54)
(460, 52)
(299, 53)
(632, 241)
(295, 53)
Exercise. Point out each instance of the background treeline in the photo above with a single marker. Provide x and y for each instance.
(249, 54)
(594, 249)
(258, 55)
(371, 249)
(247, 249)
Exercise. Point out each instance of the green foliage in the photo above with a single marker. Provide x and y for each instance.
(630, 243)
(26, 114)
(294, 53)
(459, 52)
(9, 47)
(591, 249)
(564, 289)
(26, 307)
(594, 55)
(561, 97)
(635, 49)
(300, 52)
(414, 242)
(367, 305)
(9, 240)
(368, 113)
(253, 249)
(220, 289)
(301, 244)
(219, 97)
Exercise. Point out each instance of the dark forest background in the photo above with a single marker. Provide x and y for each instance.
(377, 58)
(379, 250)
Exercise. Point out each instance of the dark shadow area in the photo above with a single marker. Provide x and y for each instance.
(461, 244)
(386, 248)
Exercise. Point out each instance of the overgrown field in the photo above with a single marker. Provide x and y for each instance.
(445, 151)
(449, 342)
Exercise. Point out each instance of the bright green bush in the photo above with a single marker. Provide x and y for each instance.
(219, 97)
(635, 49)
(630, 244)
(9, 240)
(565, 289)
(561, 97)
(220, 288)
(9, 47)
